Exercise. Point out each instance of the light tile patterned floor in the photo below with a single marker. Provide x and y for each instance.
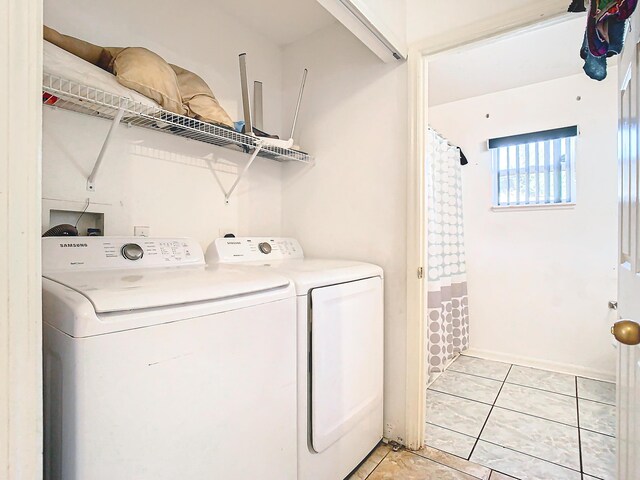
(425, 464)
(535, 424)
(495, 421)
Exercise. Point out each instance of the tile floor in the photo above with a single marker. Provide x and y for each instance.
(425, 464)
(495, 421)
(524, 422)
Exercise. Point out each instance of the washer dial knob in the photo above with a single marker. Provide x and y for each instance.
(132, 251)
(265, 247)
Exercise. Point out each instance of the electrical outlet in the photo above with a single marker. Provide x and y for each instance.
(141, 231)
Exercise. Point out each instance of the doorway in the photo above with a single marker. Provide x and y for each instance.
(540, 218)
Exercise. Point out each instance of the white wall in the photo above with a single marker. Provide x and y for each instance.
(540, 280)
(352, 204)
(283, 21)
(474, 72)
(150, 178)
(156, 180)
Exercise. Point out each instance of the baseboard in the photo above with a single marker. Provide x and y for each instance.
(543, 364)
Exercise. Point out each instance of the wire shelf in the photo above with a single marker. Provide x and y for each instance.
(76, 97)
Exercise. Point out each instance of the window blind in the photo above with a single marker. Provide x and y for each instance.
(542, 136)
(534, 169)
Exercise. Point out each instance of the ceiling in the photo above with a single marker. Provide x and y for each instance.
(544, 54)
(426, 18)
(282, 21)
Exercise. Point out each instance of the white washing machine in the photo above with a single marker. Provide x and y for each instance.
(157, 367)
(340, 350)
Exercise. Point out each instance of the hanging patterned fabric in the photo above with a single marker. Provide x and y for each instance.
(447, 310)
(604, 37)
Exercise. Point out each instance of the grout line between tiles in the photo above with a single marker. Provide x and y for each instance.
(541, 389)
(592, 476)
(504, 408)
(519, 384)
(533, 368)
(536, 416)
(451, 430)
(597, 401)
(579, 434)
(459, 396)
(505, 474)
(475, 375)
(509, 410)
(470, 375)
(596, 432)
(489, 415)
(532, 456)
(595, 380)
(381, 460)
(448, 466)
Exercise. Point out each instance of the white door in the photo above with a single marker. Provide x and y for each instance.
(627, 331)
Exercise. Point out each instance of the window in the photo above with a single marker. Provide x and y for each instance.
(534, 168)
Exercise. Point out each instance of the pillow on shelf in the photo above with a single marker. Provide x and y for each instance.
(108, 57)
(199, 100)
(147, 73)
(85, 50)
(173, 88)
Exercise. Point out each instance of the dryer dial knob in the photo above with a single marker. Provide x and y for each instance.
(132, 251)
(265, 248)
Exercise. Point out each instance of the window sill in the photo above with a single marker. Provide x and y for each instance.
(542, 206)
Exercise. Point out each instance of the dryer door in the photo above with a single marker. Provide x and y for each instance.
(346, 357)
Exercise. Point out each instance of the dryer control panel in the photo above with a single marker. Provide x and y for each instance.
(253, 249)
(99, 253)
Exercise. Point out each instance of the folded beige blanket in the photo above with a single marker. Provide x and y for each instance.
(174, 88)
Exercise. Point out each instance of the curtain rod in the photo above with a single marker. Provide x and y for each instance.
(429, 127)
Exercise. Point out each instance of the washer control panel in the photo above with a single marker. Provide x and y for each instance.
(253, 249)
(97, 253)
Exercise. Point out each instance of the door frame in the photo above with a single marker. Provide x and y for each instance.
(20, 204)
(481, 33)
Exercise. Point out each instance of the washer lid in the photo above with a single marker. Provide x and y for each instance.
(311, 273)
(136, 289)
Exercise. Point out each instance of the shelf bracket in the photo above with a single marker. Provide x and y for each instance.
(91, 181)
(255, 153)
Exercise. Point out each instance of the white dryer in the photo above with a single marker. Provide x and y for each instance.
(157, 367)
(340, 350)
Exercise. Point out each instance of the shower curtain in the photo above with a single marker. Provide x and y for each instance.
(447, 315)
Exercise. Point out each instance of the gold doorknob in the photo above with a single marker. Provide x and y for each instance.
(627, 332)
